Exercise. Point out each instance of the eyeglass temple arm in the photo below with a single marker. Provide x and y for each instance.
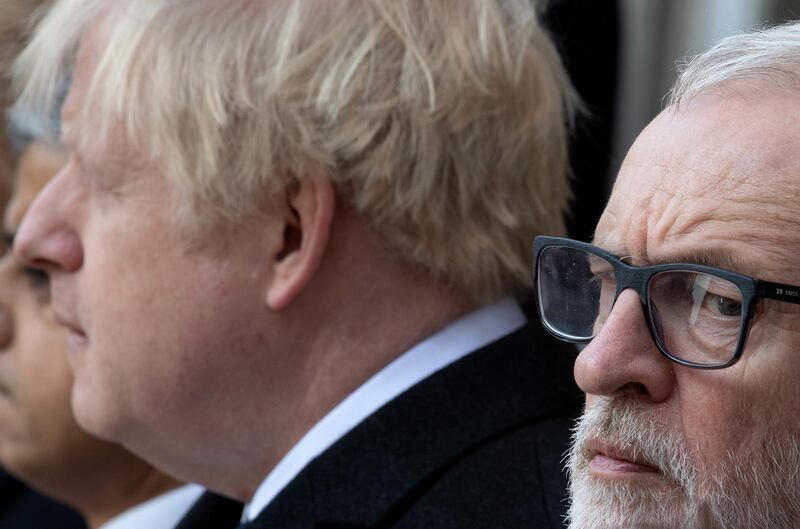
(778, 291)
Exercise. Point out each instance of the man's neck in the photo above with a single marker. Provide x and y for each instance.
(458, 339)
(347, 350)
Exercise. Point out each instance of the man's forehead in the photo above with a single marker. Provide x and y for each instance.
(87, 58)
(705, 182)
(73, 105)
(109, 152)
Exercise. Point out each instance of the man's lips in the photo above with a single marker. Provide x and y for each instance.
(608, 460)
(76, 341)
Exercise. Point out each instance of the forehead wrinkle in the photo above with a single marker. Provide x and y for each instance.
(657, 230)
(756, 196)
(737, 154)
(710, 224)
(674, 219)
(735, 176)
(627, 234)
(734, 173)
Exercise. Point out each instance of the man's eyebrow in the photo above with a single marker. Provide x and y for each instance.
(718, 258)
(714, 257)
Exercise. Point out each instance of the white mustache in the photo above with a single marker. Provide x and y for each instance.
(624, 423)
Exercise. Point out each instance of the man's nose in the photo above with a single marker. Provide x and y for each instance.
(46, 238)
(623, 358)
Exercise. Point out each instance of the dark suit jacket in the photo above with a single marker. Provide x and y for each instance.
(212, 511)
(477, 445)
(21, 508)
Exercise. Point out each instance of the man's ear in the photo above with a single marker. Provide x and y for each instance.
(309, 207)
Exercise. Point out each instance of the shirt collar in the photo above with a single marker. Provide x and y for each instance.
(162, 512)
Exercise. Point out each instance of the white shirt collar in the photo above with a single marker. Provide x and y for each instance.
(465, 335)
(161, 512)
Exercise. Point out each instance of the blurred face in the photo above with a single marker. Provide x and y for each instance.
(38, 435)
(5, 166)
(661, 445)
(162, 334)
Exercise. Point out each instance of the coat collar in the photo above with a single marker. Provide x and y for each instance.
(390, 458)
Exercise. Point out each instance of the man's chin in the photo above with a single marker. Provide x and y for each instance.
(640, 502)
(93, 414)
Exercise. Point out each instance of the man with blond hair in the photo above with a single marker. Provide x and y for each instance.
(40, 441)
(287, 247)
(691, 306)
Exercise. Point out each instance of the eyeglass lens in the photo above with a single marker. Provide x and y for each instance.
(695, 316)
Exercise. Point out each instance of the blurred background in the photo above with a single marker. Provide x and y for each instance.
(622, 55)
(658, 33)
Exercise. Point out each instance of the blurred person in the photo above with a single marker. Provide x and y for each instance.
(690, 306)
(16, 17)
(22, 507)
(15, 25)
(287, 246)
(6, 162)
(19, 506)
(40, 441)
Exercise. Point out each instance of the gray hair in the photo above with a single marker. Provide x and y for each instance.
(765, 56)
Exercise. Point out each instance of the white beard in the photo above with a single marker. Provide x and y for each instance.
(758, 491)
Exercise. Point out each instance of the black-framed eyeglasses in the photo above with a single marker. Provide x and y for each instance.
(698, 316)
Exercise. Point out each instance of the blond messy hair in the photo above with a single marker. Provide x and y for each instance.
(442, 122)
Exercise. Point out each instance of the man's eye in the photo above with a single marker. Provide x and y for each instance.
(726, 306)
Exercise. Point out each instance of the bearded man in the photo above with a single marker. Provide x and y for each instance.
(687, 300)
